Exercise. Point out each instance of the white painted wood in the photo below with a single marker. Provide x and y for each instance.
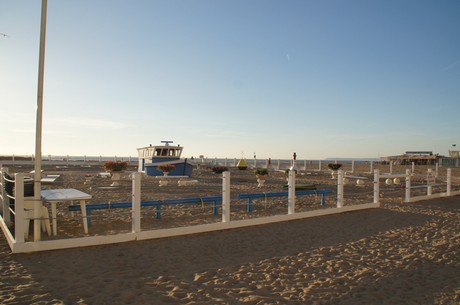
(291, 192)
(19, 207)
(449, 181)
(226, 196)
(136, 202)
(377, 187)
(339, 189)
(408, 176)
(429, 182)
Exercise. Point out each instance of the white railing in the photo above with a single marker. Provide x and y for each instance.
(17, 243)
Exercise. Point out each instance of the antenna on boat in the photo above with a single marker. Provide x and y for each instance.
(167, 142)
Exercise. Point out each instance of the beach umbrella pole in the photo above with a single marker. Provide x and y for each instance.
(38, 130)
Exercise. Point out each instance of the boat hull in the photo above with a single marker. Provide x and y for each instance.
(183, 168)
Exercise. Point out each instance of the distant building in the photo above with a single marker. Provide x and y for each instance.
(417, 157)
(424, 158)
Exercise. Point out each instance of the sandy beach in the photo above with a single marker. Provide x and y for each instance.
(398, 254)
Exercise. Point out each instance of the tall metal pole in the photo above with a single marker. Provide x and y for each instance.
(38, 130)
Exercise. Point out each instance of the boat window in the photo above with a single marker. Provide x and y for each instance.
(164, 152)
(158, 152)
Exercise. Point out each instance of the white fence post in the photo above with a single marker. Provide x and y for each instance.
(377, 186)
(391, 167)
(305, 165)
(372, 166)
(136, 203)
(449, 181)
(226, 160)
(291, 192)
(319, 165)
(408, 186)
(436, 170)
(413, 167)
(352, 166)
(19, 208)
(429, 181)
(339, 188)
(6, 200)
(226, 196)
(278, 164)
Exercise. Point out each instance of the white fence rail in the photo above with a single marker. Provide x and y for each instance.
(18, 244)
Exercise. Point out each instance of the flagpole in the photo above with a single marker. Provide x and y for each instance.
(38, 130)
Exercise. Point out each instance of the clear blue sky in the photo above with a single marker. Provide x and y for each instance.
(320, 78)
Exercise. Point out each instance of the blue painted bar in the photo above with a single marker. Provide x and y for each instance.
(249, 197)
(214, 199)
(155, 203)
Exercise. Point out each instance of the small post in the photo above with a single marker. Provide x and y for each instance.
(19, 208)
(449, 181)
(305, 165)
(436, 174)
(6, 200)
(372, 166)
(408, 173)
(226, 196)
(413, 166)
(391, 167)
(377, 187)
(352, 166)
(319, 165)
(278, 164)
(225, 163)
(291, 192)
(429, 182)
(136, 203)
(339, 188)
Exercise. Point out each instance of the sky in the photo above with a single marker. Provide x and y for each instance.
(233, 78)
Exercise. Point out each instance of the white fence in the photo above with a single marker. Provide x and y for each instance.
(18, 244)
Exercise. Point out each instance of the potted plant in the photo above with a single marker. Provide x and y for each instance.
(261, 174)
(115, 167)
(334, 167)
(166, 168)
